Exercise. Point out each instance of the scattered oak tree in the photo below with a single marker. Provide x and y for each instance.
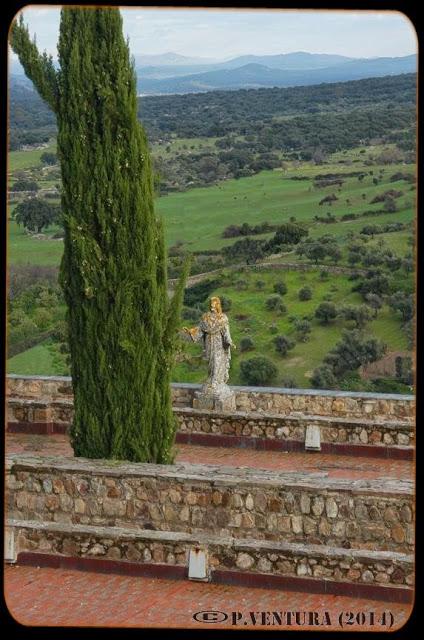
(326, 312)
(36, 214)
(258, 371)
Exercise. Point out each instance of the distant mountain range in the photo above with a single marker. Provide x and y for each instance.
(170, 73)
(249, 72)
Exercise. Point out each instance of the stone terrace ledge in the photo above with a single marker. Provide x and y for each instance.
(213, 475)
(381, 407)
(374, 514)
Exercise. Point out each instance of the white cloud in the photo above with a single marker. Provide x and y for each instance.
(224, 33)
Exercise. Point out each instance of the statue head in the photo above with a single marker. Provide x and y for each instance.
(215, 305)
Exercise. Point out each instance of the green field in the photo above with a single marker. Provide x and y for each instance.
(300, 361)
(27, 159)
(42, 360)
(198, 217)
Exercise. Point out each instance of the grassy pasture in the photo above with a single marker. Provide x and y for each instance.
(305, 356)
(197, 218)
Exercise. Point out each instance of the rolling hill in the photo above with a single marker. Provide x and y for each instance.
(257, 75)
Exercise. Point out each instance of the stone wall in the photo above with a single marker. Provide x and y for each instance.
(237, 428)
(382, 570)
(378, 407)
(232, 503)
(288, 428)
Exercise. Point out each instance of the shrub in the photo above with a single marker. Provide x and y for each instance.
(48, 158)
(241, 285)
(280, 287)
(246, 344)
(190, 313)
(326, 312)
(275, 303)
(353, 351)
(200, 292)
(273, 328)
(258, 371)
(283, 344)
(303, 329)
(288, 383)
(323, 378)
(389, 385)
(260, 285)
(305, 293)
(24, 185)
(226, 303)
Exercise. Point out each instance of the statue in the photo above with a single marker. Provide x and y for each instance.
(213, 333)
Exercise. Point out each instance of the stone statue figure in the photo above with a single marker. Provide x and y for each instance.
(213, 332)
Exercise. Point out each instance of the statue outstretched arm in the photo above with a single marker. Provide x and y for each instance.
(193, 335)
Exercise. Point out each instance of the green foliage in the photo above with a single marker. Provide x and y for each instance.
(199, 292)
(353, 351)
(226, 303)
(280, 287)
(326, 312)
(48, 158)
(122, 327)
(375, 282)
(404, 372)
(374, 301)
(24, 185)
(258, 371)
(360, 314)
(275, 303)
(403, 303)
(35, 214)
(247, 250)
(283, 344)
(286, 234)
(305, 293)
(389, 385)
(246, 344)
(323, 378)
(303, 329)
(390, 205)
(190, 313)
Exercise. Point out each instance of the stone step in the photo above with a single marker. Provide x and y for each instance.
(194, 498)
(261, 430)
(306, 567)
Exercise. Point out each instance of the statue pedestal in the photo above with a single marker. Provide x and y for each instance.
(215, 398)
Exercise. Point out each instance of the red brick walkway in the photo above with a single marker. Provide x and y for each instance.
(336, 466)
(53, 597)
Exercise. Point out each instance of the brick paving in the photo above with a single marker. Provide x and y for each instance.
(64, 597)
(353, 467)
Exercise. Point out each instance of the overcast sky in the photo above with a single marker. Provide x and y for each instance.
(223, 34)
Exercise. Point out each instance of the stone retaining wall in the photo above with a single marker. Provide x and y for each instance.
(348, 436)
(379, 407)
(269, 558)
(288, 428)
(236, 503)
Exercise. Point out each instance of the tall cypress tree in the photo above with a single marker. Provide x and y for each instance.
(122, 326)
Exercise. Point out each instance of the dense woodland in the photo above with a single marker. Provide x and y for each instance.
(220, 113)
